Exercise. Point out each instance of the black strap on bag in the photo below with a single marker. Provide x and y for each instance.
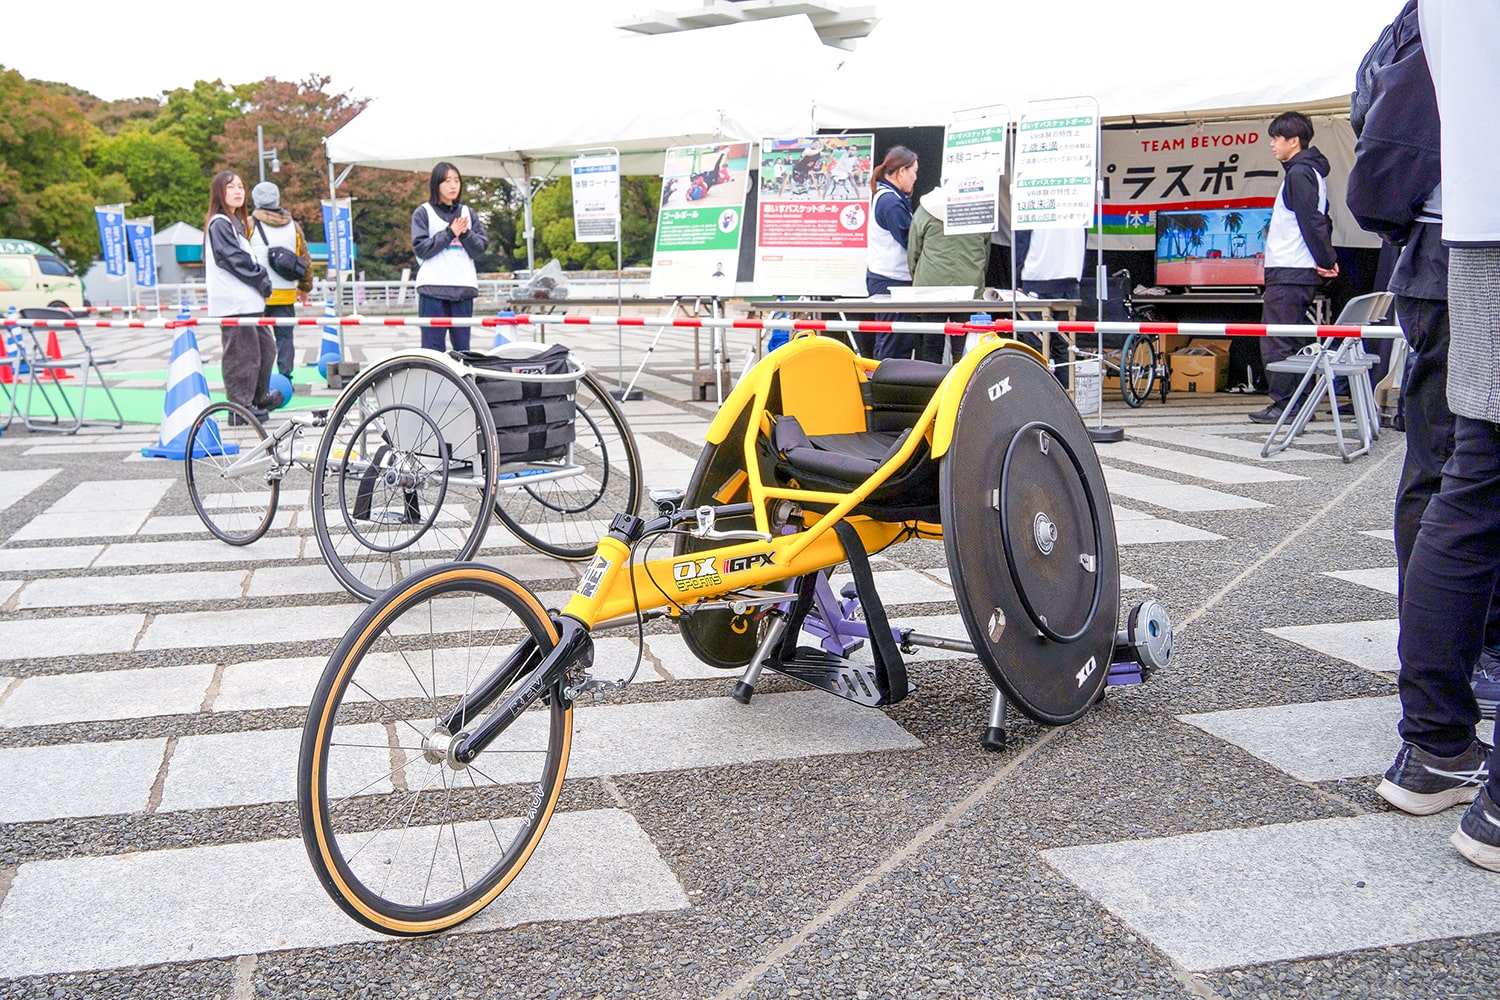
(890, 667)
(366, 487)
(411, 510)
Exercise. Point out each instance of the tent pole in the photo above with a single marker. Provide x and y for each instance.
(526, 194)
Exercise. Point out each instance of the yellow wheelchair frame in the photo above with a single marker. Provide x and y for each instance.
(489, 732)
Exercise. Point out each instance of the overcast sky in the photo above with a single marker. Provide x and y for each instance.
(119, 49)
(384, 48)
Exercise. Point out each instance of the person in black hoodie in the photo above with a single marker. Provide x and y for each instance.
(1299, 248)
(446, 236)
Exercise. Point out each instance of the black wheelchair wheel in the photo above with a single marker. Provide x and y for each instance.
(1137, 368)
(1030, 539)
(405, 473)
(233, 477)
(719, 637)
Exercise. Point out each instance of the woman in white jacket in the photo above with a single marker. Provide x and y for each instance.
(237, 287)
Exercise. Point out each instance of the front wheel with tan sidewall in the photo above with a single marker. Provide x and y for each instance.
(405, 837)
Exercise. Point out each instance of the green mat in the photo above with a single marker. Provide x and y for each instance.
(144, 406)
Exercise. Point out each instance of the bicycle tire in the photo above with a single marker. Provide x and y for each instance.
(566, 517)
(353, 449)
(217, 442)
(372, 749)
(1137, 373)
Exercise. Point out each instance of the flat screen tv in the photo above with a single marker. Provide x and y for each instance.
(1211, 247)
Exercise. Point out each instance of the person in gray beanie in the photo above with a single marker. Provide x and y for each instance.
(273, 226)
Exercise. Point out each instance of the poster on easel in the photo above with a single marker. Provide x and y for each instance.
(699, 221)
(596, 199)
(1056, 161)
(812, 223)
(973, 165)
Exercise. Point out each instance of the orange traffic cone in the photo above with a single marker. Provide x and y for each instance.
(54, 351)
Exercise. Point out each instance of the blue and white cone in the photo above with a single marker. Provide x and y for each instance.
(187, 396)
(501, 336)
(330, 343)
(13, 337)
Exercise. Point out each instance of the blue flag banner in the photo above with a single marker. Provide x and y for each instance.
(111, 219)
(142, 234)
(337, 230)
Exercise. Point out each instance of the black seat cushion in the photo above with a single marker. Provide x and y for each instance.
(899, 390)
(839, 463)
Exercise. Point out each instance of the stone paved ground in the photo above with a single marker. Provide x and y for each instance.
(1211, 834)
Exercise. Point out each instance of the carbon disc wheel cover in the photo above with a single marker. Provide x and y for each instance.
(719, 637)
(1021, 472)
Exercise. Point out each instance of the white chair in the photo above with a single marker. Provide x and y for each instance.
(1322, 362)
(42, 377)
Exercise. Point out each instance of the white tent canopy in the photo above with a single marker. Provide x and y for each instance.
(1168, 59)
(639, 94)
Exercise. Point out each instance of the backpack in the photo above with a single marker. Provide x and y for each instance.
(284, 262)
(1394, 113)
(1381, 54)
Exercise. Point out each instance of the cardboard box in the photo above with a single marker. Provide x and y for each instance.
(1201, 368)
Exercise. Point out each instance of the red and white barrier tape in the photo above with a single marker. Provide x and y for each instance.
(1002, 326)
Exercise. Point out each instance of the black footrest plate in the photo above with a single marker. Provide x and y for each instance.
(815, 667)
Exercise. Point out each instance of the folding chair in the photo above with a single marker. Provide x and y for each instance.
(42, 379)
(1322, 362)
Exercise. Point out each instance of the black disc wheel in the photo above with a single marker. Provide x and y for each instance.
(718, 636)
(405, 837)
(233, 478)
(1030, 539)
(563, 507)
(1137, 368)
(405, 473)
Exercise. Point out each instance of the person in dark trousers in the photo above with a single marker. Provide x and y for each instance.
(1394, 192)
(446, 236)
(238, 287)
(273, 226)
(885, 255)
(938, 258)
(1299, 248)
(1455, 561)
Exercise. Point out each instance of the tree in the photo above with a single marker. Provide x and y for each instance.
(165, 178)
(498, 204)
(552, 216)
(47, 191)
(199, 115)
(107, 116)
(295, 118)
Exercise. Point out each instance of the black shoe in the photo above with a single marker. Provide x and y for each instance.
(1478, 835)
(260, 413)
(1422, 784)
(271, 400)
(1269, 415)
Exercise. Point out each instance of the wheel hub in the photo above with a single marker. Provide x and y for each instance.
(439, 747)
(1045, 532)
(399, 479)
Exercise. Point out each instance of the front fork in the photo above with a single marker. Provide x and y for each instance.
(543, 674)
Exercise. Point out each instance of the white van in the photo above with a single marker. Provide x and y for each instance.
(31, 275)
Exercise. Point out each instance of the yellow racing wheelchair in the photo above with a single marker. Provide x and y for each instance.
(438, 738)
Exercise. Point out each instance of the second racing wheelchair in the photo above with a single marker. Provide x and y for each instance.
(437, 741)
